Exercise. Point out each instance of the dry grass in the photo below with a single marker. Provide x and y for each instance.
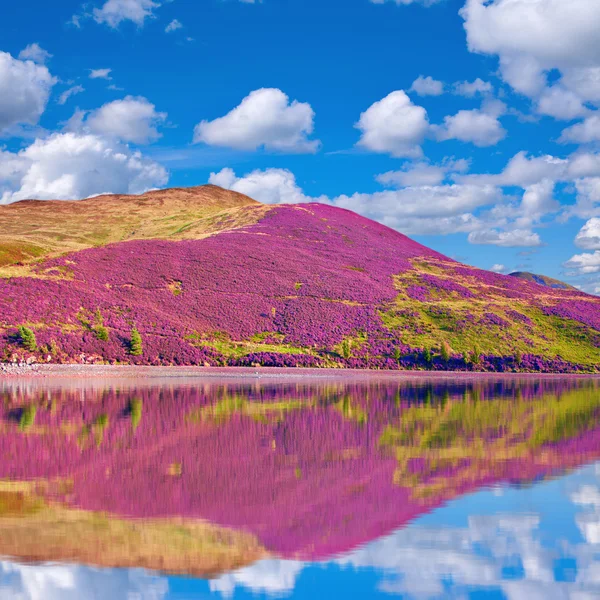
(34, 229)
(33, 531)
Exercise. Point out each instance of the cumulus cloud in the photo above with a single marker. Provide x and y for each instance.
(415, 210)
(585, 132)
(422, 173)
(114, 12)
(561, 103)
(497, 268)
(64, 97)
(475, 126)
(35, 53)
(589, 235)
(394, 125)
(73, 166)
(507, 239)
(174, 25)
(472, 88)
(265, 118)
(24, 91)
(585, 263)
(427, 86)
(129, 120)
(531, 38)
(74, 582)
(100, 74)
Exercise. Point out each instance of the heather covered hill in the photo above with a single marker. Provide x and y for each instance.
(205, 276)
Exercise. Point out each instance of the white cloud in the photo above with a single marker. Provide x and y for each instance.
(560, 103)
(129, 120)
(35, 53)
(114, 12)
(533, 37)
(74, 582)
(422, 173)
(272, 186)
(585, 263)
(24, 91)
(583, 133)
(265, 118)
(427, 86)
(100, 74)
(73, 166)
(589, 235)
(174, 25)
(273, 577)
(76, 89)
(413, 210)
(474, 126)
(497, 268)
(584, 81)
(394, 125)
(546, 33)
(507, 239)
(472, 88)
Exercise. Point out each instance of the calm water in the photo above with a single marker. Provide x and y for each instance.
(365, 488)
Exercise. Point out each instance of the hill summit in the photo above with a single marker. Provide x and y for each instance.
(207, 276)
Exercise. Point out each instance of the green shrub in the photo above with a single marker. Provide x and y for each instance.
(27, 338)
(475, 356)
(427, 356)
(446, 352)
(518, 357)
(397, 353)
(101, 333)
(346, 349)
(135, 343)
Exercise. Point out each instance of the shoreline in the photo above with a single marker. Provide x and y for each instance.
(71, 371)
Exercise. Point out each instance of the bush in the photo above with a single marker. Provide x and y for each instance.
(475, 356)
(446, 352)
(427, 356)
(346, 349)
(27, 338)
(101, 333)
(135, 343)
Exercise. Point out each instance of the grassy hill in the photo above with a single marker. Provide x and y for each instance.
(207, 276)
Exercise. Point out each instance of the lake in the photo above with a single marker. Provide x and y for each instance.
(300, 487)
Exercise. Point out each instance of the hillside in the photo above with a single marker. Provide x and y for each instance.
(211, 277)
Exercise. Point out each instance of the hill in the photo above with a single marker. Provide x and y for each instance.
(208, 276)
(542, 280)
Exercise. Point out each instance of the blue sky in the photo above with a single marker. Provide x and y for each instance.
(470, 125)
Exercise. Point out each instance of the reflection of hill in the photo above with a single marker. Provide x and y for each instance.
(309, 469)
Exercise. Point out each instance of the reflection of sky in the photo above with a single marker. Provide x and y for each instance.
(541, 542)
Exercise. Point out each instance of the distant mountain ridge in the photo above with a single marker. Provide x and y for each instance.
(542, 280)
(208, 276)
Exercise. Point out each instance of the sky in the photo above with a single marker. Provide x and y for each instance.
(470, 125)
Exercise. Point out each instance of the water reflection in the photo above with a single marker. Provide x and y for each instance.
(298, 488)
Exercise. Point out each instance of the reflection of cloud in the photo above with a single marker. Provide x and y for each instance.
(70, 582)
(499, 552)
(268, 576)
